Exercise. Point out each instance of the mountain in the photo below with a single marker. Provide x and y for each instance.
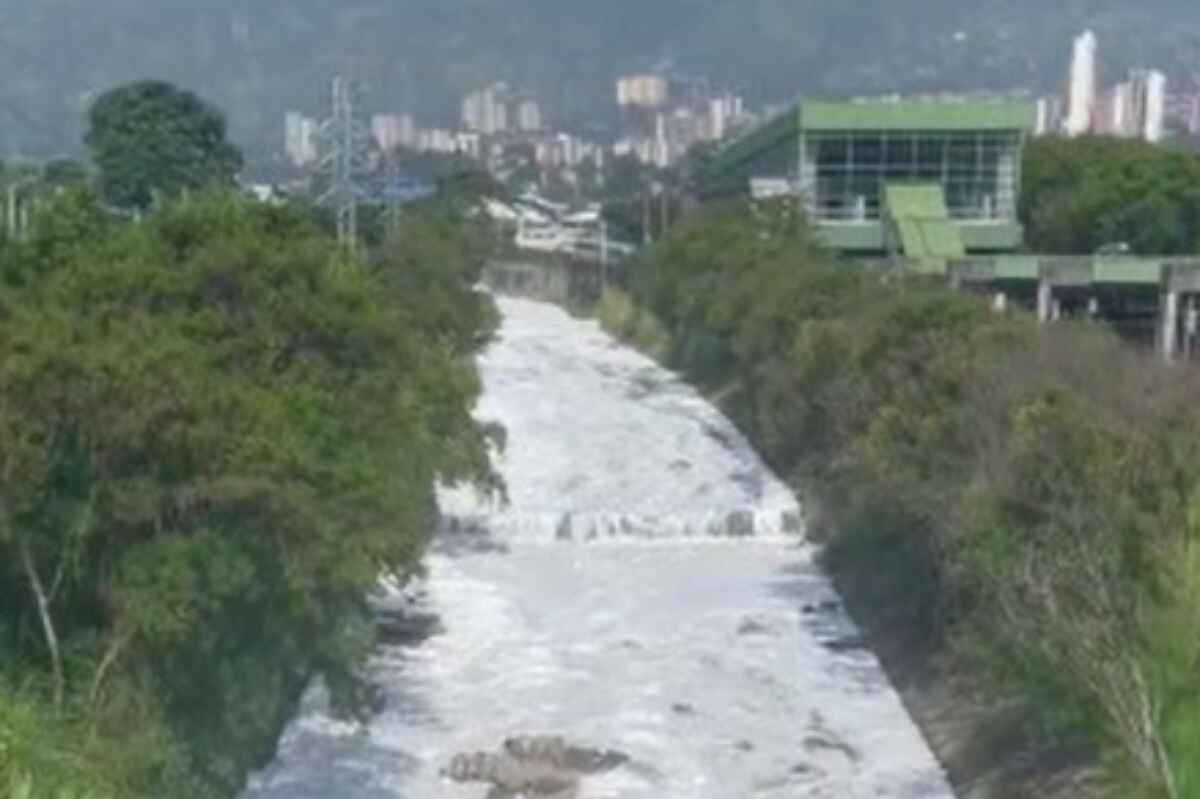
(257, 59)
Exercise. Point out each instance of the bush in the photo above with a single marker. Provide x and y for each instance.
(217, 431)
(1031, 492)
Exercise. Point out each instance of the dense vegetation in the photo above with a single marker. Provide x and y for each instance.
(217, 430)
(1082, 194)
(1025, 498)
(151, 136)
(257, 60)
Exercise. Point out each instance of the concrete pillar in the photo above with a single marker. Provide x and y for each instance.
(1000, 302)
(1045, 299)
(1093, 308)
(1168, 315)
(1191, 326)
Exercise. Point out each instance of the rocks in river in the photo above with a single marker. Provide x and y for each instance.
(752, 627)
(817, 743)
(827, 606)
(556, 752)
(740, 523)
(791, 522)
(405, 627)
(849, 643)
(510, 777)
(537, 767)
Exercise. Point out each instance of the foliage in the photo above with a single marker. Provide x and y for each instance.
(62, 172)
(1081, 194)
(1033, 494)
(150, 137)
(217, 430)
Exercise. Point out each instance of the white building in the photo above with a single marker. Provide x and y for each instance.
(1081, 94)
(529, 116)
(469, 144)
(486, 111)
(647, 91)
(1048, 116)
(1134, 109)
(437, 141)
(408, 131)
(300, 138)
(1149, 90)
(388, 131)
(1113, 113)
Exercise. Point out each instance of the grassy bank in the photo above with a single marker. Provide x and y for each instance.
(1012, 509)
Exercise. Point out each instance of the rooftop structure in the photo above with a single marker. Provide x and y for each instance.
(881, 177)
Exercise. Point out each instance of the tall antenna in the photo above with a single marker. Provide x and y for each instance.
(344, 141)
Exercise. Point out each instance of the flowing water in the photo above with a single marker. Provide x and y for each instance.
(647, 590)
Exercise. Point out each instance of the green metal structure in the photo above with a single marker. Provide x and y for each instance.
(872, 173)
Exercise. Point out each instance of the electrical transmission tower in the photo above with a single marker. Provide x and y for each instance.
(344, 145)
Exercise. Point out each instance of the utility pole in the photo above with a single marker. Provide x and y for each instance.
(392, 190)
(12, 211)
(17, 209)
(603, 257)
(344, 139)
(646, 237)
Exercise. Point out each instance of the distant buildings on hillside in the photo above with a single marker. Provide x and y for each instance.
(505, 129)
(1138, 107)
(662, 117)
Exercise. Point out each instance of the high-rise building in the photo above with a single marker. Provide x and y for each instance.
(387, 130)
(647, 91)
(1134, 109)
(1114, 114)
(1149, 103)
(1081, 94)
(723, 112)
(486, 111)
(300, 138)
(408, 131)
(529, 116)
(469, 144)
(1048, 116)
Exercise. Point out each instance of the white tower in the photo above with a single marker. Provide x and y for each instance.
(1082, 94)
(1156, 106)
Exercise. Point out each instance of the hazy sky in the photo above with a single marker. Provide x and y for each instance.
(257, 59)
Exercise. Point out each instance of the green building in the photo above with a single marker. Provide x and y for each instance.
(918, 179)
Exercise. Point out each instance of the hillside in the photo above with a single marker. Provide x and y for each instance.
(258, 59)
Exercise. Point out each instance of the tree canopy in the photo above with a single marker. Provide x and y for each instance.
(1033, 494)
(217, 431)
(1081, 194)
(150, 136)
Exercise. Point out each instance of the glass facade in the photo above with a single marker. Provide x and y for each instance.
(843, 174)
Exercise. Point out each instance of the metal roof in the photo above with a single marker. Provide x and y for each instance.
(918, 115)
(919, 214)
(914, 115)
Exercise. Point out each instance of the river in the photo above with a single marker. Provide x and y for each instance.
(647, 590)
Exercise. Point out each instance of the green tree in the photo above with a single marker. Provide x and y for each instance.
(217, 431)
(1081, 194)
(150, 137)
(64, 172)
